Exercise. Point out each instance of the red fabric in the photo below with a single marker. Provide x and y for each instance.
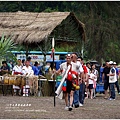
(69, 77)
(85, 69)
(16, 73)
(52, 52)
(64, 88)
(94, 84)
(75, 81)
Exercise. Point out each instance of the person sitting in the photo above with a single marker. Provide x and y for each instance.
(5, 68)
(27, 69)
(17, 70)
(28, 72)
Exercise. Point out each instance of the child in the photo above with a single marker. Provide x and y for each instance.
(94, 84)
(91, 78)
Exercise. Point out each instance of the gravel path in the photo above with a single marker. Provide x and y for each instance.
(18, 107)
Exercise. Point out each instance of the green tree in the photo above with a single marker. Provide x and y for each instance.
(101, 21)
(102, 26)
(6, 45)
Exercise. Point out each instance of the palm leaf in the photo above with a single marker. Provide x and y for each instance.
(6, 44)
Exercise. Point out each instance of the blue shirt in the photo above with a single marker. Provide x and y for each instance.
(101, 72)
(40, 70)
(117, 72)
(35, 69)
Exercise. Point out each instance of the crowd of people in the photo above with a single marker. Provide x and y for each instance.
(110, 78)
(87, 77)
(21, 68)
(25, 68)
(80, 81)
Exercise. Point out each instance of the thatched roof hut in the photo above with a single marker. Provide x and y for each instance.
(29, 27)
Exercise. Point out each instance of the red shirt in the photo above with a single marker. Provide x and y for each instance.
(85, 69)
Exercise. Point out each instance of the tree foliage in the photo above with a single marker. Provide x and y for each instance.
(6, 45)
(101, 21)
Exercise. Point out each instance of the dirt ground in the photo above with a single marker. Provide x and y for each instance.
(19, 107)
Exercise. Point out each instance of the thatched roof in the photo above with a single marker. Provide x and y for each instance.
(29, 27)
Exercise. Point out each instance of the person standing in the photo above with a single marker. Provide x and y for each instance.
(91, 78)
(112, 79)
(116, 83)
(82, 82)
(105, 78)
(88, 66)
(69, 84)
(80, 72)
(101, 71)
(95, 72)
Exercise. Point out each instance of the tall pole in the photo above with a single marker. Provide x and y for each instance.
(53, 53)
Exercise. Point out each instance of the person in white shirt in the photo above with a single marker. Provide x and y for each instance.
(117, 82)
(27, 69)
(17, 70)
(29, 73)
(112, 79)
(95, 72)
(88, 66)
(69, 84)
(91, 79)
(81, 73)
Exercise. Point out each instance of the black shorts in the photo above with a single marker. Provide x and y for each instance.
(106, 85)
(69, 86)
(90, 86)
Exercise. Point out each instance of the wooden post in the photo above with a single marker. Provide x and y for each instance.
(53, 53)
